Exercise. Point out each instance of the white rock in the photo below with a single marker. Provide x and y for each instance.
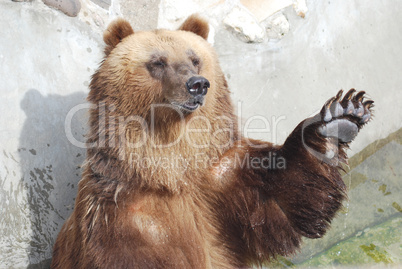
(244, 25)
(262, 9)
(277, 26)
(300, 7)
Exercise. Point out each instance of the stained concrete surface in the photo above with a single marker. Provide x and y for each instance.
(45, 64)
(47, 58)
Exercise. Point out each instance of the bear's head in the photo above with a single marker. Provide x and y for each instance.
(176, 72)
(148, 85)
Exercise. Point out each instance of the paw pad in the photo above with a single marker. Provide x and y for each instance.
(342, 119)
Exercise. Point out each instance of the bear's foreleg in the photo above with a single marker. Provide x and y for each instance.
(269, 203)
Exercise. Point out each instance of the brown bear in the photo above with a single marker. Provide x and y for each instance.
(169, 182)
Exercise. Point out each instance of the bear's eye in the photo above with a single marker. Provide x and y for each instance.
(196, 62)
(159, 63)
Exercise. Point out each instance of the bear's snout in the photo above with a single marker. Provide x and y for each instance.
(197, 86)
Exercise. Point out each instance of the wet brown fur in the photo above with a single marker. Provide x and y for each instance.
(128, 216)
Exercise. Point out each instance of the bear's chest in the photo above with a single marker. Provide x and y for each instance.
(174, 223)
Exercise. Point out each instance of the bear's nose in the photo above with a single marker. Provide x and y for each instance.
(197, 85)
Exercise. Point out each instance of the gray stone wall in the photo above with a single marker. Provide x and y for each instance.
(283, 60)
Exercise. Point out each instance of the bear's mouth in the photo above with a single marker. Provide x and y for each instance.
(190, 106)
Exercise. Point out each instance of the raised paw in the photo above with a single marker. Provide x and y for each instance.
(342, 119)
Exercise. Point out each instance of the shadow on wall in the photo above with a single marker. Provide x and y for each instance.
(50, 166)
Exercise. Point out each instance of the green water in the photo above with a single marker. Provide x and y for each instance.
(368, 231)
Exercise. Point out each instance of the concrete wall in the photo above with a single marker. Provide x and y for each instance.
(290, 66)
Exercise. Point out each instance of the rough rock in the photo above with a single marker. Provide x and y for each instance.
(68, 7)
(277, 26)
(105, 4)
(244, 25)
(262, 9)
(300, 7)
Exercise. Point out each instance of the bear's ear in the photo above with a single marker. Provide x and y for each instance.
(196, 25)
(115, 32)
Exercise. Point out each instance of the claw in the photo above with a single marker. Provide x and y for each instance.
(368, 104)
(359, 96)
(338, 95)
(367, 114)
(347, 103)
(348, 95)
(357, 100)
(329, 102)
(336, 109)
(325, 111)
